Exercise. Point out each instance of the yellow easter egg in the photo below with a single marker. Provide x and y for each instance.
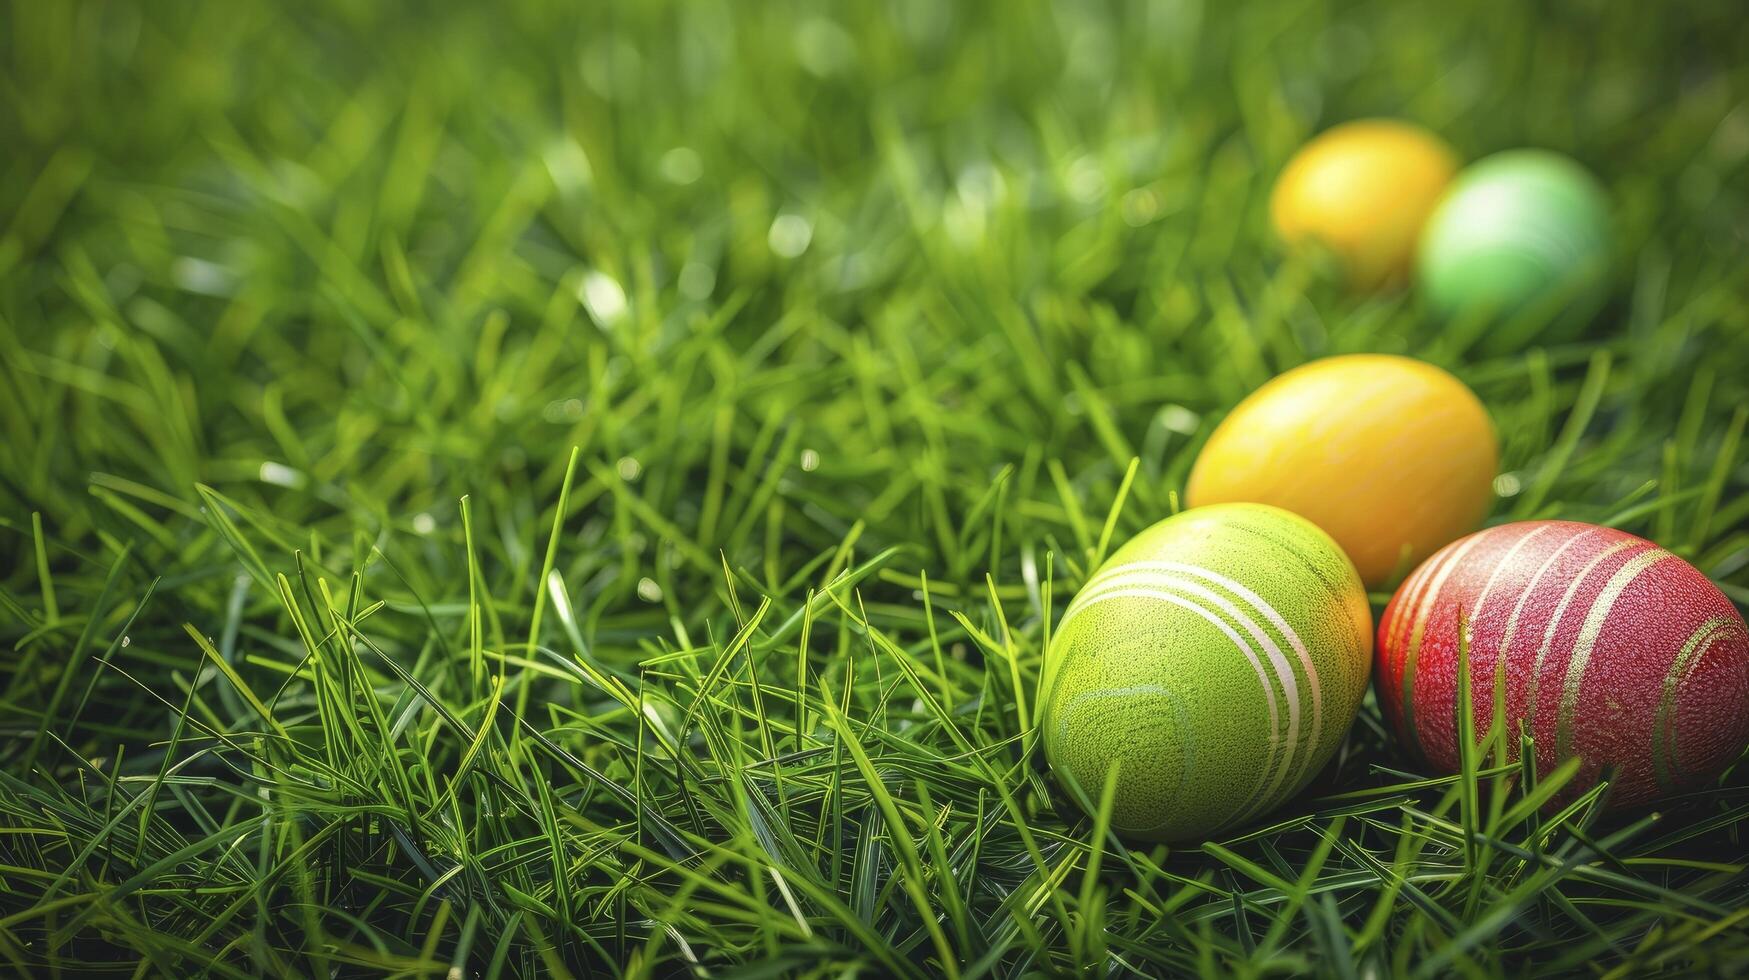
(1363, 190)
(1392, 457)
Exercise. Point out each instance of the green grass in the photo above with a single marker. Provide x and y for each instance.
(563, 488)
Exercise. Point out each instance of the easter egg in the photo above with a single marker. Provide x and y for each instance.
(1391, 456)
(1217, 660)
(1519, 229)
(1362, 190)
(1601, 645)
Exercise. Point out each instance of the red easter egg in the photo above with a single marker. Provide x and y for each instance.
(1604, 645)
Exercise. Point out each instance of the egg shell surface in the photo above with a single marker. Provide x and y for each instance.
(1391, 456)
(1515, 229)
(1363, 190)
(1218, 659)
(1602, 644)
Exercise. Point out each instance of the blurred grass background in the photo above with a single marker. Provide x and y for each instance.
(707, 308)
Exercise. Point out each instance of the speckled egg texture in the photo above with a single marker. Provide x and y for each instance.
(1217, 659)
(1600, 644)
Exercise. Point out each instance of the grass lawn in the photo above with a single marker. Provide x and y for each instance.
(543, 488)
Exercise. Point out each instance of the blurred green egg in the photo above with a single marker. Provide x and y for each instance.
(1521, 234)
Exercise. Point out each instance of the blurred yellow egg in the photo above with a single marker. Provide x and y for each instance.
(1363, 190)
(1392, 457)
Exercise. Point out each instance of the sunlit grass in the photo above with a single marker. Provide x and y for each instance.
(524, 489)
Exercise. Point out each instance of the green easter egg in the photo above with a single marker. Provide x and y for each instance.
(1519, 231)
(1217, 659)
